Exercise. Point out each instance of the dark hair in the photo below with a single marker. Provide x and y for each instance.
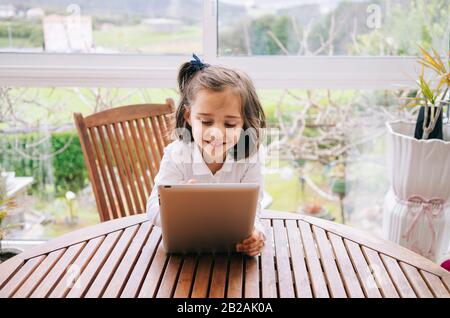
(192, 79)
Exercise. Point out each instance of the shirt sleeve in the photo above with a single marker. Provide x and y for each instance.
(169, 172)
(253, 174)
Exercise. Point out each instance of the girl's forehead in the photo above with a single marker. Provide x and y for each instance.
(227, 101)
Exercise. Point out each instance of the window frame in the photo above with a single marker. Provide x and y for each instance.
(137, 70)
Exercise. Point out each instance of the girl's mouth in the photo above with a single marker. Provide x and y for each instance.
(215, 143)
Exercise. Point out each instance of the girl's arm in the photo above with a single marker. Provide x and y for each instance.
(168, 173)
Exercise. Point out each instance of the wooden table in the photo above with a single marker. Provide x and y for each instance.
(305, 257)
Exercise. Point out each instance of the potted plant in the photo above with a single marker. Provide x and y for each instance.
(416, 208)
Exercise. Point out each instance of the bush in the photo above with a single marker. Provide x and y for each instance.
(69, 170)
(64, 171)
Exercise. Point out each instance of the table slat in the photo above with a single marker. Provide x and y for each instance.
(235, 277)
(269, 283)
(94, 266)
(435, 284)
(284, 271)
(185, 281)
(332, 275)
(52, 278)
(104, 275)
(76, 268)
(344, 263)
(302, 283)
(252, 274)
(318, 283)
(416, 280)
(122, 273)
(39, 273)
(219, 276)
(170, 277)
(203, 277)
(20, 277)
(151, 255)
(381, 275)
(365, 275)
(401, 282)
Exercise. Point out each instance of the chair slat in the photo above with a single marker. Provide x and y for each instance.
(302, 283)
(147, 156)
(365, 275)
(344, 263)
(58, 270)
(219, 277)
(381, 275)
(118, 281)
(163, 130)
(115, 139)
(186, 279)
(96, 263)
(416, 280)
(135, 183)
(202, 277)
(76, 268)
(137, 141)
(103, 277)
(435, 284)
(170, 277)
(21, 276)
(152, 141)
(332, 275)
(235, 277)
(39, 273)
(100, 165)
(318, 282)
(398, 277)
(282, 258)
(116, 200)
(268, 276)
(157, 134)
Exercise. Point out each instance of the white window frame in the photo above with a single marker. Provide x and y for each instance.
(137, 70)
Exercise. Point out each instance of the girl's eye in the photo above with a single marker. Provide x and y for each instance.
(230, 125)
(206, 122)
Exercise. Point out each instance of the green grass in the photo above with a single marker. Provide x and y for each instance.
(140, 38)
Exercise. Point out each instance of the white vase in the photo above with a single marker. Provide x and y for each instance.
(417, 207)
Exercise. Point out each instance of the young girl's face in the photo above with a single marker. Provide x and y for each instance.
(216, 121)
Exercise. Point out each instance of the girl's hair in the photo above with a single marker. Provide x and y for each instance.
(193, 77)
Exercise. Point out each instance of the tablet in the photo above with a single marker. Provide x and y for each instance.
(199, 218)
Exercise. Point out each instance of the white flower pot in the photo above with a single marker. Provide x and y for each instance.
(417, 207)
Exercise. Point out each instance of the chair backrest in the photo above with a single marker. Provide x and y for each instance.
(122, 148)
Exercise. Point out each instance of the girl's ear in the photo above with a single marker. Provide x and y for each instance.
(187, 114)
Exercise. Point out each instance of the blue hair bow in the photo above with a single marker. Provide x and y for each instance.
(197, 63)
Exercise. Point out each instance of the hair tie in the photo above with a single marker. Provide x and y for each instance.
(197, 64)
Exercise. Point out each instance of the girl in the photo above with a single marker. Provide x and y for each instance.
(218, 130)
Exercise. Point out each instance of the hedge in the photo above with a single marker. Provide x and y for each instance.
(64, 171)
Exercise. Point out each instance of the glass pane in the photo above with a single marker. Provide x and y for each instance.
(330, 161)
(332, 27)
(152, 27)
(43, 160)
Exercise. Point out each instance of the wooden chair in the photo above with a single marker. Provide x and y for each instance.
(122, 148)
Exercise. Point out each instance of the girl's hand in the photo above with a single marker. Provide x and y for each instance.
(252, 245)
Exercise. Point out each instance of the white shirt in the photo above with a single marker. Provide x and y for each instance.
(183, 161)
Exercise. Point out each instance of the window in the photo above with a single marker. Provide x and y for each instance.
(138, 27)
(331, 27)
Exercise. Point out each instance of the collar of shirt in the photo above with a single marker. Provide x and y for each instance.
(199, 166)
